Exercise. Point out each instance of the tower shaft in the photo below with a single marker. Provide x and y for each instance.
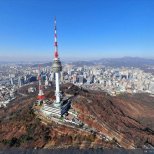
(57, 92)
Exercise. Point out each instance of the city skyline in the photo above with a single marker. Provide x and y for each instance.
(86, 30)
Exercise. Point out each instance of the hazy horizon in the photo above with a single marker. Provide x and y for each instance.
(66, 59)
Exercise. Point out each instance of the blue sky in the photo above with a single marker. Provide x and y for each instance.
(87, 29)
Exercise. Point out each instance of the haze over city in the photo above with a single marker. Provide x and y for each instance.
(86, 29)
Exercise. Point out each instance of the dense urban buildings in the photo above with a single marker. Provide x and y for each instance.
(114, 81)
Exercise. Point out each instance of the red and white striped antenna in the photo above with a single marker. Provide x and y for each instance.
(55, 40)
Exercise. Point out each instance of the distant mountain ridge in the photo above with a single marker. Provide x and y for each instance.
(113, 62)
(127, 61)
(118, 62)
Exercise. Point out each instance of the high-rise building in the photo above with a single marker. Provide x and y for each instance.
(46, 81)
(81, 79)
(19, 81)
(40, 94)
(11, 81)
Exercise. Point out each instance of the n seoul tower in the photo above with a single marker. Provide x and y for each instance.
(56, 68)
